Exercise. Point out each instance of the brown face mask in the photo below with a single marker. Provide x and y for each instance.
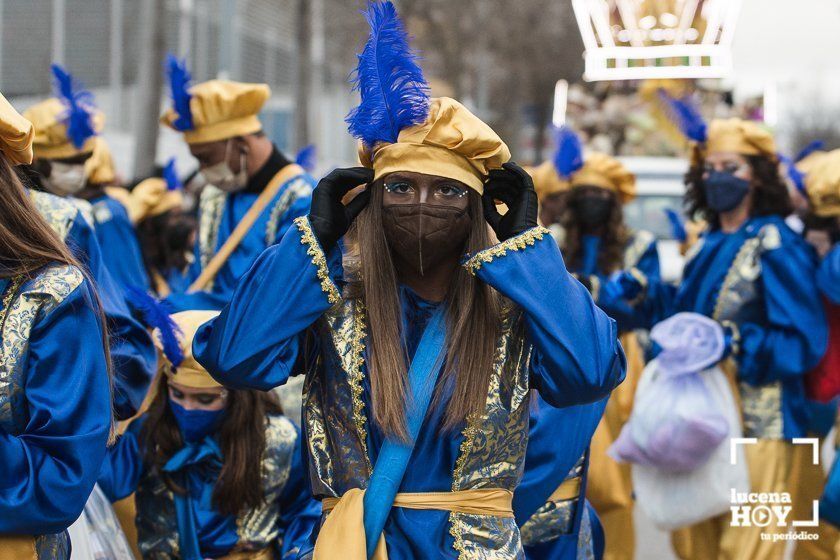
(423, 235)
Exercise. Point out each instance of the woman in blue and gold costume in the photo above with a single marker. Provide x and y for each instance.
(75, 163)
(483, 330)
(55, 401)
(756, 277)
(597, 245)
(217, 473)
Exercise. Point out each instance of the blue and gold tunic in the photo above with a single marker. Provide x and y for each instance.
(288, 316)
(55, 408)
(761, 281)
(132, 353)
(218, 215)
(283, 522)
(121, 251)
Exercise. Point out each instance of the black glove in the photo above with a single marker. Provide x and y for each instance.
(330, 219)
(513, 186)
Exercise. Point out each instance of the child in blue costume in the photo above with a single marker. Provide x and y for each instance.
(214, 472)
(75, 163)
(756, 277)
(243, 170)
(55, 402)
(514, 320)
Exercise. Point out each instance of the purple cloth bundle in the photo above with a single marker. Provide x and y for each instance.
(676, 423)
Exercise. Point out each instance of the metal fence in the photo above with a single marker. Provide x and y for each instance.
(98, 40)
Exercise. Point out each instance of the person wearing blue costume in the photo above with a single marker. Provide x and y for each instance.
(59, 137)
(598, 246)
(253, 192)
(425, 301)
(55, 402)
(756, 277)
(816, 176)
(166, 231)
(75, 162)
(216, 473)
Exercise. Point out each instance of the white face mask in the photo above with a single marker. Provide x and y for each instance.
(66, 179)
(222, 176)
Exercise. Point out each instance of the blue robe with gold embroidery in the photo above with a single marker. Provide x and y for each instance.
(762, 279)
(284, 522)
(55, 406)
(121, 251)
(219, 214)
(288, 317)
(132, 353)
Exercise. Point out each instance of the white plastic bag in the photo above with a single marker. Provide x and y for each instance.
(99, 535)
(673, 500)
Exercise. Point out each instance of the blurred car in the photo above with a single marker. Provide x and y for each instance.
(659, 186)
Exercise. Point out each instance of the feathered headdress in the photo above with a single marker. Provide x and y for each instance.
(307, 157)
(170, 175)
(568, 152)
(79, 103)
(179, 84)
(685, 114)
(794, 174)
(156, 316)
(394, 93)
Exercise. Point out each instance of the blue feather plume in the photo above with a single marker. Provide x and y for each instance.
(80, 106)
(307, 157)
(685, 114)
(568, 152)
(179, 85)
(794, 174)
(677, 225)
(809, 149)
(170, 175)
(156, 316)
(394, 92)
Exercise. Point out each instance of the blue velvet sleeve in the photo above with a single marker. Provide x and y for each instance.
(50, 468)
(120, 247)
(132, 352)
(123, 465)
(627, 316)
(576, 356)
(255, 341)
(828, 275)
(795, 335)
(299, 511)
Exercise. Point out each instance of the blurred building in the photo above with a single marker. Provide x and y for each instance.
(246, 40)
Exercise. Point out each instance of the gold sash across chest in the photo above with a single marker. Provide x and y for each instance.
(343, 532)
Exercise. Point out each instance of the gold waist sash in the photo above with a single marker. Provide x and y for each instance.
(569, 490)
(343, 532)
(17, 547)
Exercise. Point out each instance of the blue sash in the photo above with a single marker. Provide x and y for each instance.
(394, 455)
(191, 454)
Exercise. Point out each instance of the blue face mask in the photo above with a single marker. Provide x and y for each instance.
(725, 191)
(195, 424)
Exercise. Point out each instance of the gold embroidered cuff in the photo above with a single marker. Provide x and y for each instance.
(319, 259)
(516, 243)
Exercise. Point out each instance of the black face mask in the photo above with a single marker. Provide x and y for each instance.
(592, 211)
(423, 235)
